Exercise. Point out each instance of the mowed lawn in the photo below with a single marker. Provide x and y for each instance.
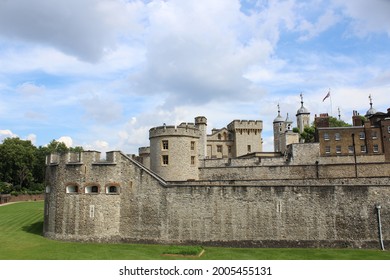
(21, 239)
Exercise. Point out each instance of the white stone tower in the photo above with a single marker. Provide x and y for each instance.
(303, 117)
(279, 128)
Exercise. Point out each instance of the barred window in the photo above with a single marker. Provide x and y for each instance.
(165, 144)
(165, 160)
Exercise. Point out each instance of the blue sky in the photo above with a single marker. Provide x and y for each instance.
(100, 73)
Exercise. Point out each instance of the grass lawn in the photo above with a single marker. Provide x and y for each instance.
(21, 239)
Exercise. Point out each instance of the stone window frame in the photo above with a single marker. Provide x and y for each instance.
(68, 187)
(192, 145)
(164, 160)
(192, 160)
(92, 188)
(108, 189)
(326, 136)
(219, 149)
(164, 145)
(249, 148)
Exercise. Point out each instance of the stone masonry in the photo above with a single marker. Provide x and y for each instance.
(309, 205)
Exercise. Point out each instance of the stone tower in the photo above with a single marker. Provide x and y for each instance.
(279, 128)
(174, 153)
(201, 124)
(247, 136)
(303, 117)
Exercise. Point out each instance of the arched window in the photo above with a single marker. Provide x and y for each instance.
(92, 189)
(72, 189)
(112, 189)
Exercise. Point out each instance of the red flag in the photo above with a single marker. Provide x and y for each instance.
(328, 95)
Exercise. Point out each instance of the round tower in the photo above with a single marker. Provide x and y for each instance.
(303, 117)
(279, 128)
(174, 152)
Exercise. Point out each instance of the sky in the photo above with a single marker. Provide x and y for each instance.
(101, 73)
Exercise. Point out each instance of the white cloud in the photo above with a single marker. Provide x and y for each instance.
(368, 16)
(29, 88)
(32, 137)
(6, 133)
(85, 29)
(67, 140)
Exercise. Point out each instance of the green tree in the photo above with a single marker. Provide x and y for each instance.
(17, 160)
(334, 122)
(308, 134)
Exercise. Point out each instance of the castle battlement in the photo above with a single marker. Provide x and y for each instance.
(245, 124)
(184, 129)
(143, 150)
(85, 157)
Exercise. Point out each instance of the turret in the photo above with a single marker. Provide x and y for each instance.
(201, 124)
(303, 117)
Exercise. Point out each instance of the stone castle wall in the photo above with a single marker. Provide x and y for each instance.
(252, 212)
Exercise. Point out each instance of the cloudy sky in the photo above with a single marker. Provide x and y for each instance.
(100, 73)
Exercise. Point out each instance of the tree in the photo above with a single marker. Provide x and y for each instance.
(308, 134)
(334, 122)
(17, 159)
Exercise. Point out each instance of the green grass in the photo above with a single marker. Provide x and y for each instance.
(21, 239)
(183, 250)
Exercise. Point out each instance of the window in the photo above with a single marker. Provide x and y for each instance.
(362, 135)
(192, 160)
(192, 145)
(112, 189)
(376, 148)
(92, 189)
(338, 149)
(337, 136)
(388, 129)
(327, 149)
(350, 149)
(72, 189)
(219, 149)
(219, 137)
(229, 149)
(326, 136)
(363, 149)
(249, 148)
(165, 160)
(374, 135)
(165, 144)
